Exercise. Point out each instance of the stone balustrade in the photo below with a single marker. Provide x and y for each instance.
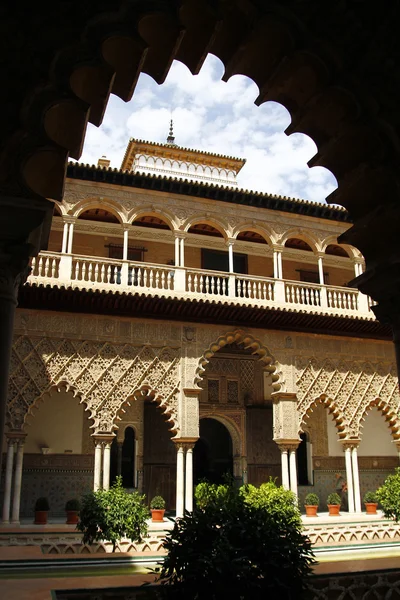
(71, 270)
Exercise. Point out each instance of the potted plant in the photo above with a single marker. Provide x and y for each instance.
(371, 503)
(41, 511)
(72, 508)
(311, 503)
(333, 501)
(157, 508)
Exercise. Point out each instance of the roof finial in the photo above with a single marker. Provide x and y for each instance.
(171, 137)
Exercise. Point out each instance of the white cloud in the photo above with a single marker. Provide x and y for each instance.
(219, 117)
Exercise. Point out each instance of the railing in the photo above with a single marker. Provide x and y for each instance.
(104, 273)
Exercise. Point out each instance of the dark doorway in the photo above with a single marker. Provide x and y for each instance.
(123, 459)
(216, 260)
(213, 456)
(302, 467)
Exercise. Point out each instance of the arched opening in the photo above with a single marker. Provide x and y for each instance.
(123, 459)
(336, 250)
(99, 244)
(213, 453)
(297, 266)
(303, 474)
(98, 214)
(159, 455)
(258, 263)
(156, 239)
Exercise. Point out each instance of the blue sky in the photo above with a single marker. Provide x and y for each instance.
(215, 116)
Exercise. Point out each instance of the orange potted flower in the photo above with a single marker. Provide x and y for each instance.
(334, 501)
(157, 508)
(371, 503)
(311, 503)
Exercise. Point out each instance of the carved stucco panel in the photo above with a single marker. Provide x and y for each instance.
(105, 375)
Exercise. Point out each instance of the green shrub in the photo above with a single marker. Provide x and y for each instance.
(334, 498)
(370, 497)
(73, 504)
(311, 499)
(389, 496)
(157, 503)
(42, 504)
(241, 544)
(113, 514)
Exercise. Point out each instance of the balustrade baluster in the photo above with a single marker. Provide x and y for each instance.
(96, 272)
(83, 272)
(46, 266)
(53, 267)
(189, 283)
(90, 272)
(40, 270)
(157, 279)
(270, 291)
(163, 280)
(202, 284)
(76, 274)
(33, 265)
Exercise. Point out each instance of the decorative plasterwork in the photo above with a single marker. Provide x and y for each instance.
(349, 389)
(105, 376)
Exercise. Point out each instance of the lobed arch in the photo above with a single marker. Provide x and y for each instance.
(233, 430)
(333, 409)
(387, 411)
(165, 215)
(213, 221)
(249, 341)
(262, 230)
(307, 237)
(105, 204)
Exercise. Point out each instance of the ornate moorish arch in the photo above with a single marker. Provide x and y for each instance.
(250, 342)
(387, 411)
(104, 374)
(333, 409)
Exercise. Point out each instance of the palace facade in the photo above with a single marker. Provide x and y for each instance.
(178, 328)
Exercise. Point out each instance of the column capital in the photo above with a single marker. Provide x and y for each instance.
(185, 443)
(350, 443)
(287, 396)
(320, 254)
(287, 445)
(103, 438)
(15, 436)
(178, 233)
(277, 247)
(69, 219)
(230, 241)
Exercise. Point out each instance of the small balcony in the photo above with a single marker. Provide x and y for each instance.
(85, 272)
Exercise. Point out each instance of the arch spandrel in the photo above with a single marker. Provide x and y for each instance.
(103, 374)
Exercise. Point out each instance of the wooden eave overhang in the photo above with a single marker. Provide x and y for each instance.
(84, 172)
(180, 154)
(142, 305)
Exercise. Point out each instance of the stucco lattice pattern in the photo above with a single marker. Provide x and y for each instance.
(105, 375)
(349, 389)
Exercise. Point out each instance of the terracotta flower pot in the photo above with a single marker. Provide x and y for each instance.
(72, 517)
(311, 510)
(334, 510)
(370, 508)
(157, 515)
(41, 517)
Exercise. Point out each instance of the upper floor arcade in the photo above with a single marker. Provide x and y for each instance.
(180, 243)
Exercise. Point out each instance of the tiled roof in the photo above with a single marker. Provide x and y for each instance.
(204, 190)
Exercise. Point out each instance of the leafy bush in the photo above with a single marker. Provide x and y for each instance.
(239, 544)
(311, 499)
(113, 514)
(389, 496)
(370, 497)
(73, 504)
(157, 503)
(334, 498)
(42, 504)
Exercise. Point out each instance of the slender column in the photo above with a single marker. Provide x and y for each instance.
(285, 469)
(349, 478)
(180, 483)
(182, 247)
(106, 465)
(275, 259)
(189, 479)
(230, 243)
(125, 248)
(356, 480)
(279, 264)
(70, 238)
(177, 251)
(65, 238)
(321, 270)
(18, 481)
(8, 480)
(293, 470)
(97, 466)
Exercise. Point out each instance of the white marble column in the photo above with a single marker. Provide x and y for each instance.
(349, 478)
(356, 480)
(280, 265)
(97, 466)
(126, 242)
(70, 238)
(176, 251)
(182, 252)
(180, 481)
(321, 270)
(230, 243)
(293, 470)
(8, 480)
(285, 468)
(106, 465)
(189, 479)
(65, 238)
(18, 481)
